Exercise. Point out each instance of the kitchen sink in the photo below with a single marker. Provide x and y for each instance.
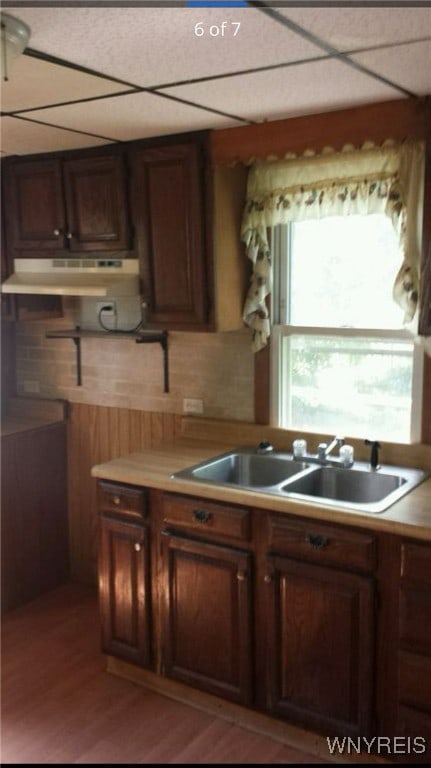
(357, 488)
(245, 469)
(346, 485)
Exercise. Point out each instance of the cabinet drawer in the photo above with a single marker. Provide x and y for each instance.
(323, 544)
(198, 514)
(415, 681)
(416, 563)
(124, 500)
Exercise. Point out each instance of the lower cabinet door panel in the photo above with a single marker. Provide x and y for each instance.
(320, 652)
(124, 590)
(207, 628)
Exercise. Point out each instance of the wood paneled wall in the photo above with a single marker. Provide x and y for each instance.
(97, 434)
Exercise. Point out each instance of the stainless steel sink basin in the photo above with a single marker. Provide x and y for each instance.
(346, 485)
(358, 488)
(245, 469)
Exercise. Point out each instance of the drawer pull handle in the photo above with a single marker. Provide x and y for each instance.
(201, 516)
(137, 546)
(241, 575)
(117, 501)
(317, 542)
(267, 578)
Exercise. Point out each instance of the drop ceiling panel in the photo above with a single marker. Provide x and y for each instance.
(154, 46)
(133, 117)
(409, 65)
(290, 91)
(34, 83)
(350, 28)
(20, 137)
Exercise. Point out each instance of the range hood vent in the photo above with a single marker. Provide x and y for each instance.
(74, 277)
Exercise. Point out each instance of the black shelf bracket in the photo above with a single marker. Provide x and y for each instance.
(141, 337)
(162, 339)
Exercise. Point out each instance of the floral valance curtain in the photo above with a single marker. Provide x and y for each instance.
(387, 179)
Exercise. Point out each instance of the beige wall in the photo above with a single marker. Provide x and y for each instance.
(215, 367)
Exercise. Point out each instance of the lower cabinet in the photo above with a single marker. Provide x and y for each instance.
(320, 619)
(207, 631)
(34, 530)
(414, 656)
(269, 610)
(320, 646)
(206, 627)
(124, 577)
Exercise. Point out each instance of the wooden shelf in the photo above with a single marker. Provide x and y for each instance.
(141, 337)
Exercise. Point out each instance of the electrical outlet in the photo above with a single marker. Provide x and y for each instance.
(105, 308)
(106, 314)
(193, 406)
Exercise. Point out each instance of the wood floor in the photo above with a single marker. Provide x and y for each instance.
(59, 705)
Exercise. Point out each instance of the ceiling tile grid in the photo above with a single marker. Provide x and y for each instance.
(288, 92)
(175, 77)
(124, 118)
(21, 137)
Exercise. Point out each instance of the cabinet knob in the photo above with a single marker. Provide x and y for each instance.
(201, 516)
(267, 578)
(137, 546)
(241, 575)
(56, 232)
(317, 542)
(69, 235)
(117, 500)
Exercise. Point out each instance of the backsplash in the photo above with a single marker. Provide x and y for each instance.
(217, 368)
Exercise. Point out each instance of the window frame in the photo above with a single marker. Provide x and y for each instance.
(281, 327)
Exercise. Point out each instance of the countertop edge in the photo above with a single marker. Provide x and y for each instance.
(152, 468)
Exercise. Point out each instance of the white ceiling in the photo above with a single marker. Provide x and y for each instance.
(149, 74)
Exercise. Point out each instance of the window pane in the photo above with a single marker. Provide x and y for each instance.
(342, 273)
(356, 387)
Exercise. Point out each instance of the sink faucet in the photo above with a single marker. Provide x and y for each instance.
(323, 451)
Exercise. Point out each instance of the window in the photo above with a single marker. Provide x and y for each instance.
(342, 362)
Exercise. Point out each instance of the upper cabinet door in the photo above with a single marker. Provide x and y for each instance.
(66, 205)
(95, 191)
(168, 207)
(34, 209)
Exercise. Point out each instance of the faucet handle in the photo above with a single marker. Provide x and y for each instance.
(299, 447)
(321, 450)
(264, 447)
(346, 455)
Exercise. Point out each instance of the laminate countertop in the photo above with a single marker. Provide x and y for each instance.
(153, 468)
(24, 414)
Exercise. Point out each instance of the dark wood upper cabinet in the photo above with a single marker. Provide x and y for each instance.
(35, 212)
(66, 205)
(168, 210)
(95, 196)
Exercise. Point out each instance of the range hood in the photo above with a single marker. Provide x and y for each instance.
(74, 277)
